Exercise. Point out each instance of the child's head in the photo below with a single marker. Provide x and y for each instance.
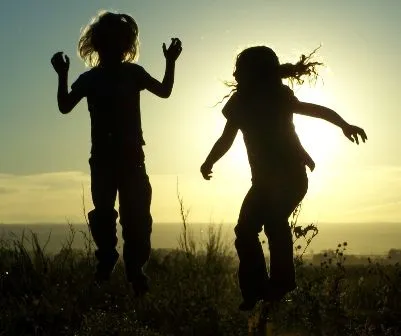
(110, 37)
(259, 68)
(256, 65)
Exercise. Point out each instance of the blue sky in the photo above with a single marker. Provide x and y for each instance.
(44, 154)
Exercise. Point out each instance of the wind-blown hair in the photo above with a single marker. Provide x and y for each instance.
(259, 68)
(109, 35)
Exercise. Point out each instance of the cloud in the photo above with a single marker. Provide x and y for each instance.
(4, 190)
(49, 197)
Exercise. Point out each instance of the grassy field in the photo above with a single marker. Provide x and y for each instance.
(194, 292)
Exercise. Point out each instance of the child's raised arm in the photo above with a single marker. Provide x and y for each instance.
(322, 112)
(222, 145)
(66, 101)
(163, 89)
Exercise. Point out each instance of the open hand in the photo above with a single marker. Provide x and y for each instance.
(174, 50)
(61, 63)
(352, 132)
(206, 170)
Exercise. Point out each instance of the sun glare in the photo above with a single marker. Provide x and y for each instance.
(237, 157)
(318, 137)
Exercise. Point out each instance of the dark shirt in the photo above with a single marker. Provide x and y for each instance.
(266, 122)
(114, 106)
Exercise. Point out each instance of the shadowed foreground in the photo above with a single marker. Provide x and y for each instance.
(194, 292)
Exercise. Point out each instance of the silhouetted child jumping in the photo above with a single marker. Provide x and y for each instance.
(262, 108)
(109, 44)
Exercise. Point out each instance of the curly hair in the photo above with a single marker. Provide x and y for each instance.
(109, 35)
(304, 67)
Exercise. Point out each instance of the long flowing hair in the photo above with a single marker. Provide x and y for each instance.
(110, 34)
(258, 68)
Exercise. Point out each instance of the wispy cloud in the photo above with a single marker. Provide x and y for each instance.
(335, 195)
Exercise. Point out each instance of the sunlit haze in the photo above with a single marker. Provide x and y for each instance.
(44, 172)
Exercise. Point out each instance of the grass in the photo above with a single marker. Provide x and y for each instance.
(194, 292)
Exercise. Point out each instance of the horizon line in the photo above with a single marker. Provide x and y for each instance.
(204, 223)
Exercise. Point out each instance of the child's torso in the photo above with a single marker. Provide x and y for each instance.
(270, 138)
(114, 105)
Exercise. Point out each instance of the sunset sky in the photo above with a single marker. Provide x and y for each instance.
(44, 155)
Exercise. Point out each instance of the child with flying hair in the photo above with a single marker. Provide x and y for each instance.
(262, 108)
(109, 45)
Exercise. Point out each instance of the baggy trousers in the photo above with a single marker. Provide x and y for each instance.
(110, 174)
(268, 204)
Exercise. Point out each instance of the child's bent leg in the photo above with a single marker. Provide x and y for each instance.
(135, 195)
(252, 272)
(102, 220)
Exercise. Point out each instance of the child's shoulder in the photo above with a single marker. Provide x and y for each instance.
(133, 66)
(287, 94)
(135, 71)
(89, 74)
(285, 89)
(233, 99)
(86, 73)
(84, 79)
(232, 105)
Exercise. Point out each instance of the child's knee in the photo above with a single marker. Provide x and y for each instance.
(136, 218)
(136, 228)
(278, 230)
(102, 216)
(103, 227)
(248, 229)
(246, 238)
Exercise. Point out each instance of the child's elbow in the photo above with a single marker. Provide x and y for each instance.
(160, 91)
(64, 109)
(165, 94)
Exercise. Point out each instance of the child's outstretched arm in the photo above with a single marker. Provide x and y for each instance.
(66, 101)
(222, 145)
(163, 89)
(322, 112)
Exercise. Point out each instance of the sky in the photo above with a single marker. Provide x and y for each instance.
(44, 172)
